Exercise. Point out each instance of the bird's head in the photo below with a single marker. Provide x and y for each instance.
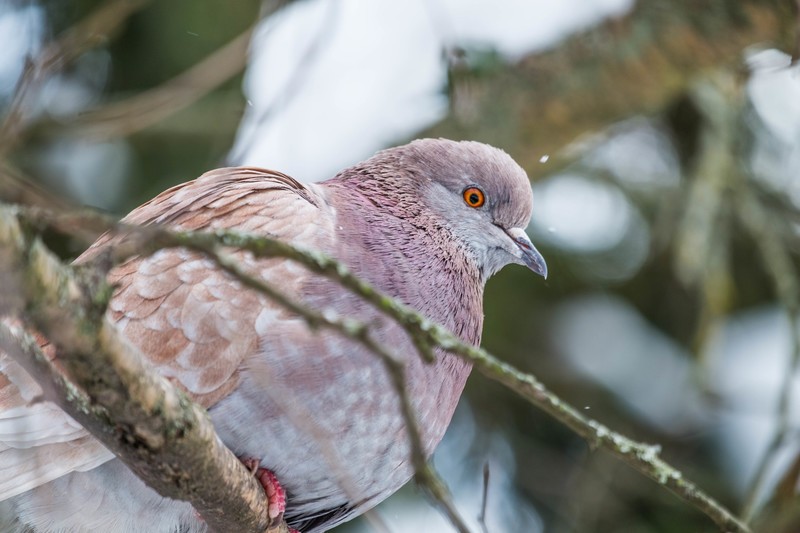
(481, 194)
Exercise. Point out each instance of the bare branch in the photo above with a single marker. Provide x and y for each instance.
(719, 98)
(425, 474)
(642, 457)
(766, 234)
(17, 188)
(164, 438)
(484, 499)
(125, 117)
(86, 34)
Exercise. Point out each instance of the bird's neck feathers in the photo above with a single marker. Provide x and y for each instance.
(407, 252)
(393, 192)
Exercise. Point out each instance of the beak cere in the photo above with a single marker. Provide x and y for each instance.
(529, 254)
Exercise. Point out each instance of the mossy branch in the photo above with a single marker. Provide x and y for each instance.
(99, 380)
(427, 336)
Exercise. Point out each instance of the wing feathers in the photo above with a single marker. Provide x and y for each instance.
(193, 323)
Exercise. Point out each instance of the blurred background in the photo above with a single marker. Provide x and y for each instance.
(662, 139)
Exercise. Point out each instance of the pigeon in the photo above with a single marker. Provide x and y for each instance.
(427, 223)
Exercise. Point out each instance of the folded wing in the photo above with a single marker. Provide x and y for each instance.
(192, 322)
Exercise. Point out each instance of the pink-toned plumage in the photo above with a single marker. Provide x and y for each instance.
(315, 408)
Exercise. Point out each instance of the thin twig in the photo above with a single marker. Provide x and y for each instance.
(764, 230)
(150, 107)
(18, 188)
(138, 112)
(161, 435)
(484, 499)
(719, 98)
(642, 457)
(95, 28)
(424, 473)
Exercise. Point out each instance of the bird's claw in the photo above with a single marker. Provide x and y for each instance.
(272, 487)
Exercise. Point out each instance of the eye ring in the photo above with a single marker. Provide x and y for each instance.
(474, 197)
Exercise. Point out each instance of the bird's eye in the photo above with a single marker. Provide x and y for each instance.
(474, 197)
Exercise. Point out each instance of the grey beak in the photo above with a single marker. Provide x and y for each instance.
(529, 254)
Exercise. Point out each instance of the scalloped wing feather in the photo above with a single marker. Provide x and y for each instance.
(194, 323)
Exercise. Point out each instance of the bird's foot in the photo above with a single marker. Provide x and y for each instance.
(275, 493)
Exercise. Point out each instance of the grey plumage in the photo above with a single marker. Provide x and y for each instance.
(316, 409)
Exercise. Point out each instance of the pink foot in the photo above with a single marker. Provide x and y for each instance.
(275, 493)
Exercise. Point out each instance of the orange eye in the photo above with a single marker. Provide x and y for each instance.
(474, 197)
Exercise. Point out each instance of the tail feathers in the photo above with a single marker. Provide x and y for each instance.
(38, 441)
(37, 425)
(24, 469)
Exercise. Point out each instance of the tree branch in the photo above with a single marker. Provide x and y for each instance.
(87, 223)
(125, 117)
(764, 229)
(424, 473)
(161, 435)
(642, 457)
(95, 28)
